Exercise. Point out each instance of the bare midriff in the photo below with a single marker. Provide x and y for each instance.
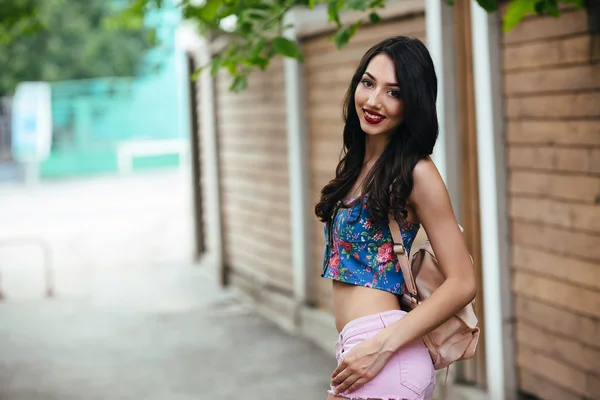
(351, 302)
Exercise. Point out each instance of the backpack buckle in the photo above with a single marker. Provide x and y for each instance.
(399, 249)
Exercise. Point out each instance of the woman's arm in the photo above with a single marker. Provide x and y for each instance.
(431, 203)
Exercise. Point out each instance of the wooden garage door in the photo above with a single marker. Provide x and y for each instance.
(552, 114)
(328, 73)
(253, 164)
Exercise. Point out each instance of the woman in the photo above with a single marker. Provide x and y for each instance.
(390, 131)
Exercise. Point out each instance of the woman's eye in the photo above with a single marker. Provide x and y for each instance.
(394, 93)
(367, 83)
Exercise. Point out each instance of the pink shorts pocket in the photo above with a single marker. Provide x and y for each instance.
(416, 368)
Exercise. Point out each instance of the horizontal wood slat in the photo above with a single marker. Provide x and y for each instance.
(255, 160)
(249, 128)
(535, 29)
(576, 327)
(583, 160)
(571, 105)
(272, 190)
(254, 267)
(259, 111)
(576, 354)
(269, 253)
(558, 213)
(555, 186)
(567, 269)
(277, 235)
(229, 170)
(255, 205)
(532, 383)
(575, 133)
(579, 77)
(576, 299)
(557, 52)
(549, 368)
(558, 240)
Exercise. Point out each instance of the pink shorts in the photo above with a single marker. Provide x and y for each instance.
(409, 373)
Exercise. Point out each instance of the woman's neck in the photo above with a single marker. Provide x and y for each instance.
(374, 146)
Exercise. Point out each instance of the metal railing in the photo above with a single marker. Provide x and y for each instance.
(5, 128)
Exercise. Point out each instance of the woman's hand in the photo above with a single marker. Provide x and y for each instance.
(360, 365)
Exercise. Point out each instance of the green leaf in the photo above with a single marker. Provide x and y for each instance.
(491, 5)
(577, 3)
(450, 2)
(333, 9)
(361, 5)
(197, 73)
(151, 37)
(262, 6)
(549, 7)
(231, 65)
(263, 63)
(311, 4)
(257, 15)
(515, 11)
(208, 13)
(239, 84)
(215, 65)
(343, 35)
(257, 48)
(259, 62)
(354, 28)
(286, 47)
(374, 18)
(246, 28)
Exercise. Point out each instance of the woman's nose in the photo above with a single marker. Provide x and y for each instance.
(373, 99)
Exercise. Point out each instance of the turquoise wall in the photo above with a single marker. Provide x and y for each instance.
(90, 117)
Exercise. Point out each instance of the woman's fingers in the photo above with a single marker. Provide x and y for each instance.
(341, 377)
(341, 367)
(357, 385)
(347, 383)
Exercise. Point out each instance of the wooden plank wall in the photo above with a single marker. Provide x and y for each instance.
(328, 73)
(552, 111)
(254, 178)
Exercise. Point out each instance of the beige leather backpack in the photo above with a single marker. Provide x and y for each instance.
(456, 339)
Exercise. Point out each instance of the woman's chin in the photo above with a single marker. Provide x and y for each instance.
(371, 130)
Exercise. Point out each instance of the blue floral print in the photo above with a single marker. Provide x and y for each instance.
(360, 252)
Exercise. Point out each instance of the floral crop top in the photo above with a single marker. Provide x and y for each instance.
(360, 252)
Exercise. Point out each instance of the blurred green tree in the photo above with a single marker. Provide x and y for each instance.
(52, 40)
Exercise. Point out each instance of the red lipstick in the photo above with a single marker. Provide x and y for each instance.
(374, 121)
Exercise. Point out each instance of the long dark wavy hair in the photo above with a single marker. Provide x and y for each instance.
(389, 183)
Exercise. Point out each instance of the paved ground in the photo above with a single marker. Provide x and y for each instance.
(189, 341)
(132, 319)
(91, 226)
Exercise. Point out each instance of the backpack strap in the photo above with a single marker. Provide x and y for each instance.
(403, 256)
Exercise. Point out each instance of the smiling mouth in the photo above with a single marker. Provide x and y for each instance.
(372, 117)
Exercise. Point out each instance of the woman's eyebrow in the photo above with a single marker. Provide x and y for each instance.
(387, 84)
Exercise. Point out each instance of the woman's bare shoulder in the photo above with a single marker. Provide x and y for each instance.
(427, 180)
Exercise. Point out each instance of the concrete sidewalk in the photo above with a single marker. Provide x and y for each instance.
(157, 333)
